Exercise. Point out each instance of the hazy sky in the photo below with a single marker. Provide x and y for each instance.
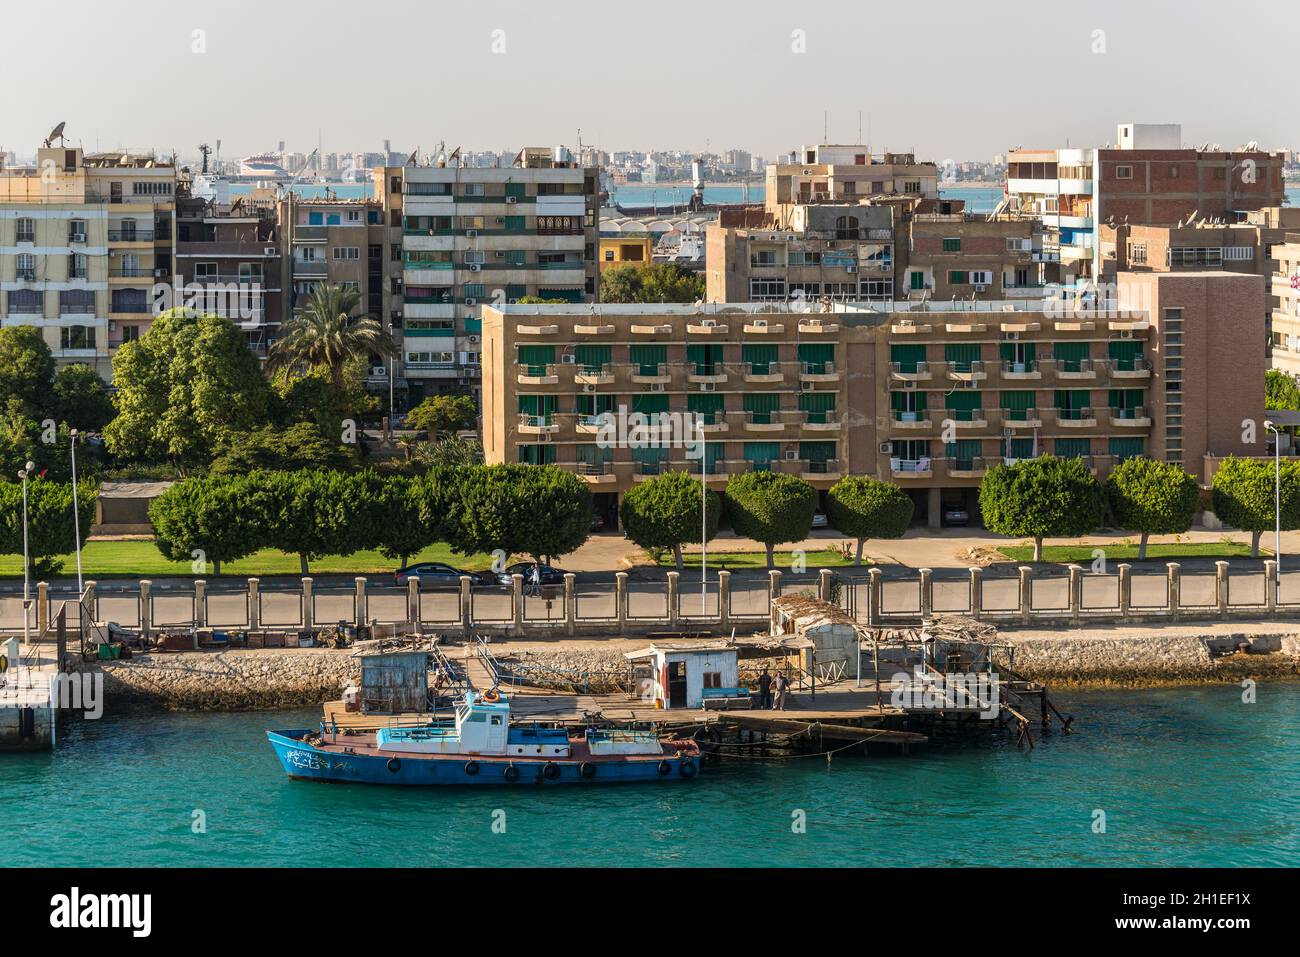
(950, 79)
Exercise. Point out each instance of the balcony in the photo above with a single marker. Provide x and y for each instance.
(1137, 368)
(904, 469)
(966, 371)
(911, 421)
(660, 330)
(965, 328)
(1022, 419)
(594, 375)
(597, 473)
(1021, 371)
(538, 425)
(713, 421)
(1136, 418)
(822, 421)
(309, 268)
(1082, 370)
(769, 372)
(706, 327)
(762, 327)
(590, 424)
(651, 375)
(966, 420)
(818, 372)
(549, 330)
(820, 470)
(131, 272)
(972, 468)
(817, 327)
(706, 372)
(912, 372)
(763, 422)
(910, 327)
(536, 374)
(1076, 418)
(588, 330)
(131, 236)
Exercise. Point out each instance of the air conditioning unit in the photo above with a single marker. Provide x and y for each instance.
(980, 287)
(1011, 336)
(568, 358)
(501, 254)
(707, 386)
(471, 234)
(473, 267)
(807, 386)
(473, 338)
(77, 238)
(28, 274)
(588, 388)
(886, 448)
(791, 455)
(544, 437)
(759, 323)
(511, 200)
(850, 269)
(471, 302)
(378, 371)
(1126, 334)
(269, 251)
(656, 387)
(708, 323)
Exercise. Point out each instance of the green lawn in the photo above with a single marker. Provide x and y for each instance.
(141, 559)
(823, 558)
(1115, 552)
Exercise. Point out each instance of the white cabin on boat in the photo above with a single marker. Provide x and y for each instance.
(482, 727)
(678, 675)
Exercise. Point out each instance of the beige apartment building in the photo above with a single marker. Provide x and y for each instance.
(926, 394)
(83, 241)
(1284, 284)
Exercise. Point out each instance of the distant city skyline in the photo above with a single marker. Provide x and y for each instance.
(951, 80)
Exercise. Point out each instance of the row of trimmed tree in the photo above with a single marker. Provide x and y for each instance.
(51, 526)
(312, 513)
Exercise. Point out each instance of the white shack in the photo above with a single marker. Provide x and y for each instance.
(832, 634)
(676, 676)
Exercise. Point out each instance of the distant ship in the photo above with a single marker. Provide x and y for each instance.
(262, 166)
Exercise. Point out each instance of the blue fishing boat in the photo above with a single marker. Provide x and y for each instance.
(481, 747)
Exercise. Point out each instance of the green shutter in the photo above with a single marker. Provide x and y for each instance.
(1126, 448)
(515, 189)
(589, 453)
(956, 277)
(761, 405)
(648, 404)
(515, 224)
(963, 452)
(817, 455)
(1018, 448)
(537, 454)
(961, 354)
(820, 406)
(952, 245)
(1125, 352)
(816, 355)
(707, 404)
(761, 455)
(910, 401)
(648, 359)
(592, 358)
(1070, 401)
(1126, 400)
(515, 257)
(917, 280)
(760, 356)
(1017, 404)
(536, 358)
(1073, 448)
(1069, 355)
(907, 356)
(963, 404)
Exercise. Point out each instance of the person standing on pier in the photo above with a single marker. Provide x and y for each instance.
(765, 689)
(782, 691)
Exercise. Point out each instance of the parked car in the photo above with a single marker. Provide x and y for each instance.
(955, 515)
(597, 522)
(439, 575)
(550, 575)
(819, 520)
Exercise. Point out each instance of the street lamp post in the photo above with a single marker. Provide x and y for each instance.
(76, 512)
(1277, 507)
(704, 521)
(27, 585)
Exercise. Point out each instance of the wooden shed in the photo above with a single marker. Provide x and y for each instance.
(832, 633)
(395, 681)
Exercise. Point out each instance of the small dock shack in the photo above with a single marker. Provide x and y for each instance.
(830, 636)
(681, 676)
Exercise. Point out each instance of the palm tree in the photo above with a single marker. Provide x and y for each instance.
(325, 333)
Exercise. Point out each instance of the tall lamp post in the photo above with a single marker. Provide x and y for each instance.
(704, 522)
(1277, 506)
(76, 512)
(27, 585)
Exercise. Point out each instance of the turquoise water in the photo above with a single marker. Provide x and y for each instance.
(1185, 777)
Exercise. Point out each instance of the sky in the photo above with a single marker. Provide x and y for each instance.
(961, 80)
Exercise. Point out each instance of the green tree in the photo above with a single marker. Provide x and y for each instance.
(540, 511)
(1152, 497)
(50, 522)
(770, 507)
(443, 413)
(1244, 495)
(326, 335)
(402, 527)
(184, 388)
(308, 513)
(213, 519)
(26, 369)
(667, 510)
(47, 446)
(1039, 497)
(1280, 391)
(311, 396)
(81, 398)
(657, 282)
(450, 451)
(865, 508)
(300, 446)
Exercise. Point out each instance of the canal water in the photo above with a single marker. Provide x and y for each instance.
(1183, 777)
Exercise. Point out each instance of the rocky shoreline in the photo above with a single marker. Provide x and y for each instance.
(278, 679)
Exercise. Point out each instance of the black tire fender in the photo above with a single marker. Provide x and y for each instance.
(551, 771)
(511, 773)
(587, 770)
(471, 768)
(394, 765)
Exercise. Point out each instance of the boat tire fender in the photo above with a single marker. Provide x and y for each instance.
(394, 764)
(551, 771)
(471, 768)
(664, 768)
(588, 770)
(512, 773)
(687, 769)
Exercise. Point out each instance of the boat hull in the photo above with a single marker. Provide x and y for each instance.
(362, 765)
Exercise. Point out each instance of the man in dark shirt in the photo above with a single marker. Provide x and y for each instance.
(765, 690)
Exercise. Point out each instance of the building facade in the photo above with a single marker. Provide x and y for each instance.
(1284, 284)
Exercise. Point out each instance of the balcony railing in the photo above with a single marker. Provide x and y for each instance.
(910, 466)
(1074, 415)
(130, 235)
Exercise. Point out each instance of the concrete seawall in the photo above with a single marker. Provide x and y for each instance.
(293, 678)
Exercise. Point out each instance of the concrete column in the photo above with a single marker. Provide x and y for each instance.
(146, 606)
(42, 607)
(875, 595)
(674, 598)
(1174, 588)
(927, 593)
(976, 592)
(773, 585)
(1221, 587)
(200, 603)
(308, 604)
(1026, 579)
(824, 584)
(620, 600)
(934, 510)
(1125, 589)
(570, 603)
(361, 611)
(91, 602)
(517, 599)
(466, 606)
(1270, 586)
(413, 611)
(1076, 592)
(724, 598)
(254, 604)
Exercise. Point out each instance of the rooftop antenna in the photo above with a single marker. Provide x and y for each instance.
(826, 134)
(55, 134)
(205, 150)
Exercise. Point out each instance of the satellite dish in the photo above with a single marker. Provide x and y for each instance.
(55, 134)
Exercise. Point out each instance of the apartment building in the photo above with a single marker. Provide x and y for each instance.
(464, 237)
(972, 256)
(1147, 178)
(847, 174)
(926, 394)
(83, 240)
(229, 262)
(1284, 285)
(626, 249)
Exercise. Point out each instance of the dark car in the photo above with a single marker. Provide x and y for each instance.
(955, 515)
(550, 575)
(437, 575)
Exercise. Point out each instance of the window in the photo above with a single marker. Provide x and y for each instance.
(916, 280)
(1137, 253)
(151, 188)
(981, 277)
(77, 337)
(250, 272)
(26, 265)
(76, 302)
(473, 189)
(952, 244)
(912, 187)
(766, 289)
(202, 271)
(961, 355)
(1070, 356)
(77, 266)
(346, 252)
(26, 230)
(76, 230)
(130, 334)
(846, 227)
(1123, 172)
(956, 277)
